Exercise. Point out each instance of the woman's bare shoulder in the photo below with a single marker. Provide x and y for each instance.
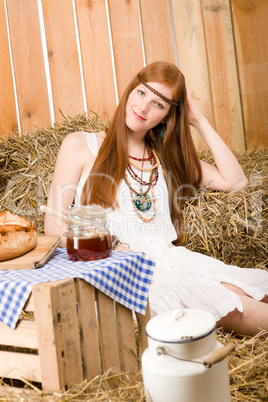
(77, 142)
(75, 146)
(75, 139)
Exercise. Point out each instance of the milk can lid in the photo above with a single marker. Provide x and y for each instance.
(180, 326)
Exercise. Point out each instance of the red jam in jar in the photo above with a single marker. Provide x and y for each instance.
(88, 237)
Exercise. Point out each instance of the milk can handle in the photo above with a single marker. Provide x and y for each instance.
(218, 355)
(215, 357)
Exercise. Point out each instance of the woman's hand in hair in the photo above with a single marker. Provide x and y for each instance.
(194, 114)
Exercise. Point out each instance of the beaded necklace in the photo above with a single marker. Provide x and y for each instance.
(142, 168)
(154, 159)
(142, 201)
(142, 159)
(152, 180)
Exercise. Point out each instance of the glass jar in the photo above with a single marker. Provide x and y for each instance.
(88, 237)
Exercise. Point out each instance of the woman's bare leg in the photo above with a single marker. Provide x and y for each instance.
(252, 320)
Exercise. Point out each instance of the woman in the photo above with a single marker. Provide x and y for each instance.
(144, 167)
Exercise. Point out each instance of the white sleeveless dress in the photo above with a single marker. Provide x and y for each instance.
(182, 278)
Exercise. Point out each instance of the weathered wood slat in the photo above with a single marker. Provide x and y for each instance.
(127, 43)
(192, 58)
(223, 73)
(107, 332)
(29, 66)
(157, 32)
(89, 329)
(23, 336)
(251, 31)
(68, 322)
(50, 344)
(58, 334)
(127, 341)
(142, 321)
(20, 365)
(96, 57)
(63, 58)
(8, 116)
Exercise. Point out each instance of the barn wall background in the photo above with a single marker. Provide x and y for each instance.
(66, 57)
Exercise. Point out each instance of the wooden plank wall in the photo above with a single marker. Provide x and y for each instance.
(75, 56)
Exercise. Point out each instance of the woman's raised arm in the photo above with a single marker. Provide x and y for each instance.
(228, 174)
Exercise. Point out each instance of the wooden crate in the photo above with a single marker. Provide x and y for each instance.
(77, 333)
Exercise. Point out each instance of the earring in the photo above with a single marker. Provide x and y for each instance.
(162, 133)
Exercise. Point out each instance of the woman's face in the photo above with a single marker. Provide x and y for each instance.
(144, 109)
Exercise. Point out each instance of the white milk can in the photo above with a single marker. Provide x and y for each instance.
(184, 362)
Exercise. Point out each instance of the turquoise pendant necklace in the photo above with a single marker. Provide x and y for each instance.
(143, 202)
(133, 199)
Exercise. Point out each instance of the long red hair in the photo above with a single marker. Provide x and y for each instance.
(177, 153)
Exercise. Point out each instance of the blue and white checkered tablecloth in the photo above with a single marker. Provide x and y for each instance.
(125, 277)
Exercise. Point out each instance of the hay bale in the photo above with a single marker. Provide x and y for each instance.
(247, 366)
(232, 227)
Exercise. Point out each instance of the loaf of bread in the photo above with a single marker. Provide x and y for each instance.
(17, 235)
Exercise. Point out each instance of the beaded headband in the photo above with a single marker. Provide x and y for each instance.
(171, 102)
